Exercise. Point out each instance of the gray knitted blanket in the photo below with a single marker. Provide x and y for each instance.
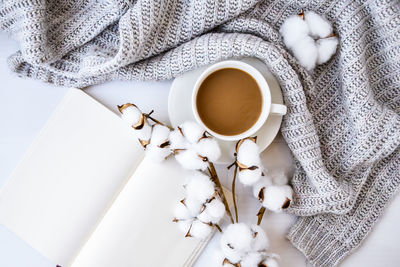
(343, 121)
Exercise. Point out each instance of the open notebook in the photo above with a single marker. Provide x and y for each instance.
(85, 196)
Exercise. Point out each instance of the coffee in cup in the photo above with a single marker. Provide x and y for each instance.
(232, 100)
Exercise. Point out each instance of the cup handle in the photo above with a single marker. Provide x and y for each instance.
(278, 109)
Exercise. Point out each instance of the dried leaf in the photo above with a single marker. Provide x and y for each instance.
(252, 168)
(241, 165)
(261, 194)
(144, 143)
(301, 15)
(181, 131)
(124, 106)
(164, 145)
(238, 144)
(286, 204)
(177, 151)
(140, 124)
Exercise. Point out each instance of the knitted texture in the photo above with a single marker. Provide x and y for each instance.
(343, 120)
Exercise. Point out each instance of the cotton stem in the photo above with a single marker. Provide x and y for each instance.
(215, 178)
(148, 115)
(234, 193)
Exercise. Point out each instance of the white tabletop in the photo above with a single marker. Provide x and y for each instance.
(25, 106)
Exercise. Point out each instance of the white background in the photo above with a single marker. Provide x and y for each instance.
(25, 106)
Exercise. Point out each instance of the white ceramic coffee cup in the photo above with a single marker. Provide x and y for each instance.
(268, 108)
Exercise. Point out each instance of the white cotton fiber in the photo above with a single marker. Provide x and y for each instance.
(182, 212)
(209, 148)
(306, 52)
(216, 208)
(193, 205)
(237, 237)
(293, 29)
(233, 256)
(131, 114)
(251, 259)
(189, 159)
(205, 217)
(288, 191)
(159, 135)
(177, 140)
(200, 230)
(249, 153)
(192, 131)
(249, 177)
(213, 212)
(260, 241)
(298, 35)
(318, 25)
(157, 153)
(184, 225)
(276, 196)
(200, 187)
(263, 182)
(270, 262)
(279, 177)
(326, 48)
(227, 264)
(145, 132)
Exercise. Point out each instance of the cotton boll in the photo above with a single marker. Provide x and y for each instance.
(233, 256)
(189, 159)
(159, 134)
(263, 182)
(227, 264)
(270, 262)
(177, 140)
(279, 178)
(131, 114)
(213, 212)
(288, 192)
(200, 187)
(251, 259)
(216, 208)
(260, 241)
(249, 177)
(205, 217)
(192, 131)
(208, 147)
(200, 230)
(326, 49)
(145, 132)
(182, 212)
(293, 29)
(193, 205)
(237, 237)
(275, 197)
(184, 225)
(249, 153)
(157, 153)
(306, 52)
(318, 25)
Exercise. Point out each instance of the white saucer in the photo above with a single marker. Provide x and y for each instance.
(180, 110)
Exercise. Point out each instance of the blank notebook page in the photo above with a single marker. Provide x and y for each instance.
(69, 177)
(138, 229)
